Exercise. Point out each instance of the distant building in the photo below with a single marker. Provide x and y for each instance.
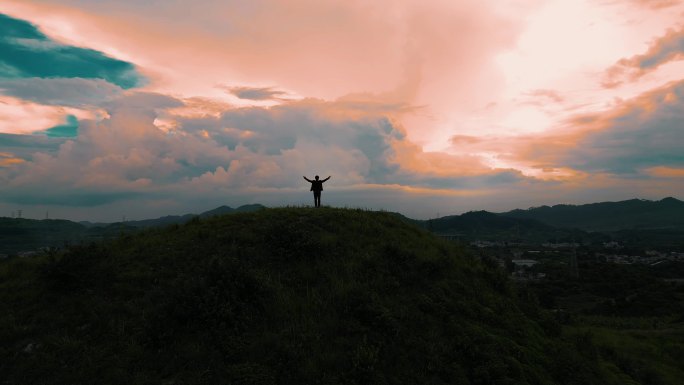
(612, 245)
(483, 244)
(524, 263)
(562, 245)
(450, 237)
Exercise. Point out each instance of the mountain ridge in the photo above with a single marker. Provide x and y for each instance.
(608, 216)
(537, 224)
(176, 219)
(21, 235)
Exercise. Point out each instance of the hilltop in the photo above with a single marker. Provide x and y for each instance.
(279, 296)
(649, 222)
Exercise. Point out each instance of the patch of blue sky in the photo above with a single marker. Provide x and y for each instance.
(26, 52)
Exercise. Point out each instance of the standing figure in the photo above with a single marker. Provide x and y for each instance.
(316, 187)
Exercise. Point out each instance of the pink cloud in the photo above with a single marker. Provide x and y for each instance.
(436, 54)
(665, 172)
(640, 133)
(666, 48)
(658, 4)
(19, 116)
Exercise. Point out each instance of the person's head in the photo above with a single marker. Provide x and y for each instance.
(316, 177)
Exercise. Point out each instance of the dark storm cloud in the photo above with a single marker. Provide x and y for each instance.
(70, 197)
(270, 131)
(25, 145)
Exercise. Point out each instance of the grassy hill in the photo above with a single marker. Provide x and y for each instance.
(280, 296)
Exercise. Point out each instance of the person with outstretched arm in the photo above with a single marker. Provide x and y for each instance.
(316, 187)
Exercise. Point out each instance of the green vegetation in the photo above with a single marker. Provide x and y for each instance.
(629, 316)
(285, 296)
(634, 356)
(612, 289)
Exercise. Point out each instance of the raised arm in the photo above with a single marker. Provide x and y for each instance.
(325, 179)
(308, 180)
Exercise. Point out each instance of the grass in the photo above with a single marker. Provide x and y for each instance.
(280, 296)
(648, 349)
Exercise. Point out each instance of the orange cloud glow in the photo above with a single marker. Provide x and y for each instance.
(454, 99)
(7, 159)
(665, 172)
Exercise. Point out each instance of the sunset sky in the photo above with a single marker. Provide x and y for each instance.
(112, 108)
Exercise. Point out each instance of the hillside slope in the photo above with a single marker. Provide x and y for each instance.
(279, 296)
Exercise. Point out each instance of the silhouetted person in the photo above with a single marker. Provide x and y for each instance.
(316, 187)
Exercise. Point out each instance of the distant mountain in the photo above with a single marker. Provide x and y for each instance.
(475, 221)
(229, 210)
(179, 219)
(667, 213)
(649, 222)
(20, 234)
(490, 226)
(161, 221)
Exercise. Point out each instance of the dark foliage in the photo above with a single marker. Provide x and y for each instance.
(279, 296)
